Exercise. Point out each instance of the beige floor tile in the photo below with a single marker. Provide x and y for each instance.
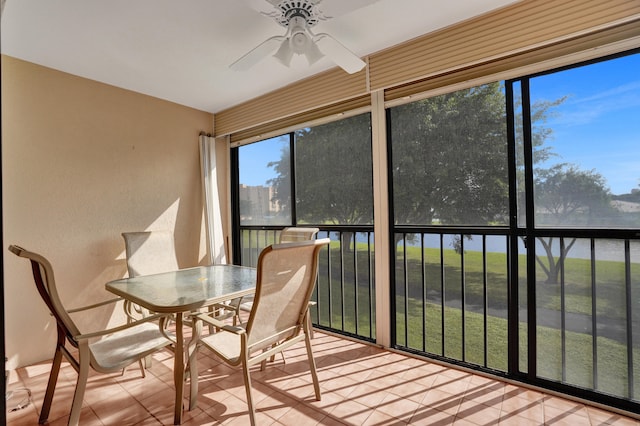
(522, 407)
(443, 401)
(478, 414)
(378, 418)
(598, 416)
(429, 416)
(398, 406)
(351, 412)
(361, 385)
(302, 414)
(367, 395)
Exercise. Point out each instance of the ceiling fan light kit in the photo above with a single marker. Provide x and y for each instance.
(298, 16)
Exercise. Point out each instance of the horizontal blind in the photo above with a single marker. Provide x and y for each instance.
(511, 30)
(600, 38)
(303, 96)
(287, 122)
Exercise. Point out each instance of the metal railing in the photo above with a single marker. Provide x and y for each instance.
(576, 305)
(448, 288)
(456, 297)
(588, 302)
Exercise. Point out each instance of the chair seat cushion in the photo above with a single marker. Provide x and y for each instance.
(120, 349)
(225, 344)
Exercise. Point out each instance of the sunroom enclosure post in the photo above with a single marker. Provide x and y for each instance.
(381, 218)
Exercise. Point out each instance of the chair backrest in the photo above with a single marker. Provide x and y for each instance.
(46, 285)
(150, 252)
(286, 277)
(293, 234)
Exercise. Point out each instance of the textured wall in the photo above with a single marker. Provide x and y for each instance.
(82, 162)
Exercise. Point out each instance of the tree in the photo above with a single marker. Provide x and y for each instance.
(564, 194)
(450, 159)
(541, 112)
(567, 196)
(334, 177)
(282, 182)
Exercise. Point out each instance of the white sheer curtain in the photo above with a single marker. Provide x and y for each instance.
(213, 218)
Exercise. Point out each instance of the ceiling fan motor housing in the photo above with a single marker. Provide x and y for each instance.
(304, 9)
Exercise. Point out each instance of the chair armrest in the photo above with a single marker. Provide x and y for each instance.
(100, 333)
(219, 324)
(163, 328)
(234, 329)
(95, 305)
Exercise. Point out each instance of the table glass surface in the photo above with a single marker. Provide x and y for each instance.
(186, 289)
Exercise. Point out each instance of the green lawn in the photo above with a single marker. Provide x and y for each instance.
(612, 356)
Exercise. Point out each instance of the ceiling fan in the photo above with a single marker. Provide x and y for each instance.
(298, 17)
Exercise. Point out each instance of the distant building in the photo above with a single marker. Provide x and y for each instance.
(257, 202)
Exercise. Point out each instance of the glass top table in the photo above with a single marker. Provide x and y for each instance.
(183, 291)
(186, 289)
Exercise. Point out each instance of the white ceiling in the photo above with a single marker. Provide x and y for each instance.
(179, 50)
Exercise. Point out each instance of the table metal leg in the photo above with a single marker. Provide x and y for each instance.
(178, 370)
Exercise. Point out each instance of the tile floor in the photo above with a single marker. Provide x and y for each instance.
(361, 385)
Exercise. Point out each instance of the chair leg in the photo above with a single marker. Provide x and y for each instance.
(192, 350)
(144, 365)
(273, 357)
(235, 306)
(51, 386)
(312, 363)
(247, 385)
(211, 311)
(81, 384)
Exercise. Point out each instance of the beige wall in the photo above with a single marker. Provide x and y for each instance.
(82, 162)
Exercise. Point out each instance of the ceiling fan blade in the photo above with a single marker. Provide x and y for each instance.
(265, 7)
(257, 54)
(338, 53)
(335, 8)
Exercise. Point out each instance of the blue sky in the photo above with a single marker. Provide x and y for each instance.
(255, 157)
(596, 128)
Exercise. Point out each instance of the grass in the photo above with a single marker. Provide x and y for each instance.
(578, 366)
(609, 280)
